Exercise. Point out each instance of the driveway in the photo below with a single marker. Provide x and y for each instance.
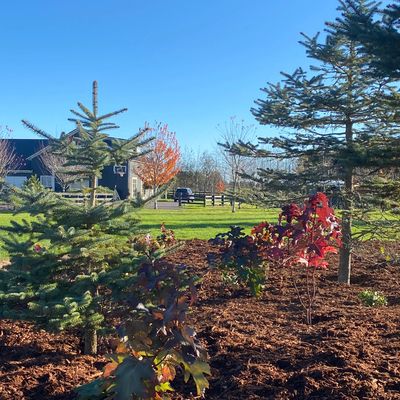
(164, 205)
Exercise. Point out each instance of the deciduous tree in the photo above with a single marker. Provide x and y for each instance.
(8, 158)
(232, 132)
(161, 164)
(55, 163)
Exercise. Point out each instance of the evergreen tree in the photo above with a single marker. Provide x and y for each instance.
(380, 37)
(377, 31)
(91, 149)
(337, 117)
(68, 260)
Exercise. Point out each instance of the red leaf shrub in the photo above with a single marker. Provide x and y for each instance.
(302, 238)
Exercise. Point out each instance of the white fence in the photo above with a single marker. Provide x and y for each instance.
(83, 198)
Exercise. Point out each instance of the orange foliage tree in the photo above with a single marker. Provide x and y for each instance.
(220, 186)
(161, 163)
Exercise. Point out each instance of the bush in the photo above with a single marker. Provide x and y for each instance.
(155, 339)
(240, 259)
(300, 241)
(372, 298)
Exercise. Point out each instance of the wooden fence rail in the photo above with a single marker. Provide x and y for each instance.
(82, 198)
(206, 199)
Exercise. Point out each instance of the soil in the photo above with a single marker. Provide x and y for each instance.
(258, 348)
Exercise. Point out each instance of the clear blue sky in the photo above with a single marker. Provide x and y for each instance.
(190, 63)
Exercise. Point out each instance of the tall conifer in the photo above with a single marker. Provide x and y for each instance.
(336, 118)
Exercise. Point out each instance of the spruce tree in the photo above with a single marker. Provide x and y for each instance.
(336, 117)
(379, 35)
(377, 31)
(67, 259)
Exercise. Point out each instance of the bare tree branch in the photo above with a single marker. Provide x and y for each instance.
(55, 163)
(233, 132)
(8, 157)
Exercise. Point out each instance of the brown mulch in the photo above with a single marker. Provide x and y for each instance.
(259, 349)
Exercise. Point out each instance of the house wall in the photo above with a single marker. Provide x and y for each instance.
(25, 167)
(135, 184)
(114, 181)
(128, 186)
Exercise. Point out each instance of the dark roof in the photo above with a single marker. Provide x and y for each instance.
(26, 147)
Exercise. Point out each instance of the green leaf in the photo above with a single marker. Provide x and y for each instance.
(164, 387)
(197, 369)
(92, 390)
(132, 378)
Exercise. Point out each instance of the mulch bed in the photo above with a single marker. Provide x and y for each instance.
(259, 349)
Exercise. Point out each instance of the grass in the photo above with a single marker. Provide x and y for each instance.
(199, 222)
(188, 222)
(192, 221)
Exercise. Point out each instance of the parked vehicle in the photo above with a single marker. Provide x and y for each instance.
(184, 194)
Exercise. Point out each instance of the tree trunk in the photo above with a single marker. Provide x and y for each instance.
(234, 195)
(155, 198)
(345, 251)
(90, 341)
(93, 191)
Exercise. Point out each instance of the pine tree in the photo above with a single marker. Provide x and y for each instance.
(337, 117)
(67, 259)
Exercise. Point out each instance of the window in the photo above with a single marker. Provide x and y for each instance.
(17, 181)
(47, 181)
(134, 185)
(79, 185)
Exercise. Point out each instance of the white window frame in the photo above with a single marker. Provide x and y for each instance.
(48, 181)
(16, 181)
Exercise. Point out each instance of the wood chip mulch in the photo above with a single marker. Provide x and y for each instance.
(258, 348)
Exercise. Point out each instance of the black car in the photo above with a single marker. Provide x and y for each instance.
(184, 194)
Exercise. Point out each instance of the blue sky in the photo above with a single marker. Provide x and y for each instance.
(189, 63)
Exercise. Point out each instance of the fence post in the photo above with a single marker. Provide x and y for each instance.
(222, 200)
(204, 200)
(180, 199)
(213, 200)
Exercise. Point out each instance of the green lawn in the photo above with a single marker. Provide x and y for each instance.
(188, 222)
(199, 222)
(191, 221)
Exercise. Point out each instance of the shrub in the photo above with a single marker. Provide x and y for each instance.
(372, 298)
(155, 339)
(240, 259)
(301, 240)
